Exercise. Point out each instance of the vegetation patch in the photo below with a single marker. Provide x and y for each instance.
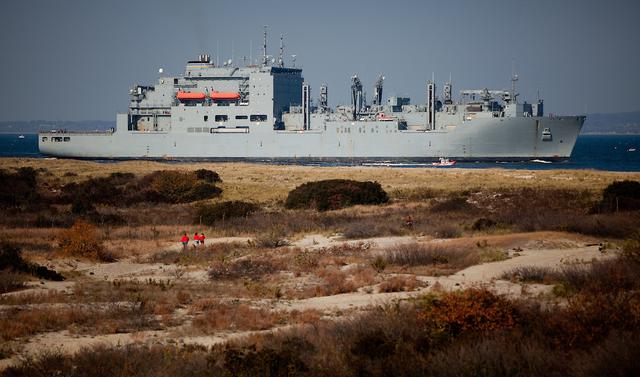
(620, 196)
(18, 188)
(12, 265)
(334, 194)
(119, 189)
(209, 214)
(82, 240)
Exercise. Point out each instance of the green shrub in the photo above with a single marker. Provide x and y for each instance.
(208, 176)
(82, 205)
(621, 196)
(200, 191)
(10, 281)
(180, 187)
(631, 247)
(483, 223)
(165, 186)
(272, 238)
(334, 194)
(209, 214)
(19, 188)
(11, 261)
(453, 204)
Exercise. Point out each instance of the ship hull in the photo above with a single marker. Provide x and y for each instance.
(494, 139)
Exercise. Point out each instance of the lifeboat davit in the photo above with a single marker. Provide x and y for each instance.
(224, 96)
(191, 96)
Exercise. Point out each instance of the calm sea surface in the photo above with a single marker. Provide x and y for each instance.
(601, 152)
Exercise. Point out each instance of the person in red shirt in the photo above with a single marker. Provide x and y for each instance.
(185, 241)
(201, 238)
(196, 239)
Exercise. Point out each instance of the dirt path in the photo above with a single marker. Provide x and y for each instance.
(481, 275)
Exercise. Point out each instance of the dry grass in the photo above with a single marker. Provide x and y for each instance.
(246, 278)
(271, 183)
(399, 283)
(213, 316)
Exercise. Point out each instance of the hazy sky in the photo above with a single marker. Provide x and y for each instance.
(76, 59)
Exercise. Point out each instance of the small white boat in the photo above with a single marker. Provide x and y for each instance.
(631, 150)
(444, 162)
(21, 137)
(541, 161)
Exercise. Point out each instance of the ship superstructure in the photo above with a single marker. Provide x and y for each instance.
(266, 111)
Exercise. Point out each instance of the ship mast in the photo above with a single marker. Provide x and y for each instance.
(281, 57)
(514, 78)
(264, 47)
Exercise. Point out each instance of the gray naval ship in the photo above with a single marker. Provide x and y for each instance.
(265, 112)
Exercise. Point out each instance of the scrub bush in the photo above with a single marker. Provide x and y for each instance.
(11, 263)
(470, 310)
(82, 240)
(19, 188)
(207, 176)
(335, 194)
(211, 213)
(621, 196)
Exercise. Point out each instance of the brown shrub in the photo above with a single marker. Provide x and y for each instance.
(588, 318)
(399, 284)
(222, 316)
(334, 282)
(415, 254)
(10, 281)
(81, 240)
(631, 247)
(248, 268)
(497, 356)
(453, 204)
(272, 238)
(469, 310)
(439, 255)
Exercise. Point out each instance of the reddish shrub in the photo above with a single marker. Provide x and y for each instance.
(468, 310)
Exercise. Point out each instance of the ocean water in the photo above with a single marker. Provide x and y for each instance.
(600, 152)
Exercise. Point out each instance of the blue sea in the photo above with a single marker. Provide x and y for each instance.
(601, 152)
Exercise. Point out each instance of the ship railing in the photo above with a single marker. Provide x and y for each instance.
(83, 132)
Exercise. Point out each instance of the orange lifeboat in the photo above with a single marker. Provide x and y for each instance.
(224, 96)
(190, 96)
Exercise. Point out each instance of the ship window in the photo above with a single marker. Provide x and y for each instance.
(44, 138)
(206, 118)
(56, 139)
(198, 129)
(67, 138)
(241, 117)
(190, 129)
(258, 118)
(221, 118)
(175, 81)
